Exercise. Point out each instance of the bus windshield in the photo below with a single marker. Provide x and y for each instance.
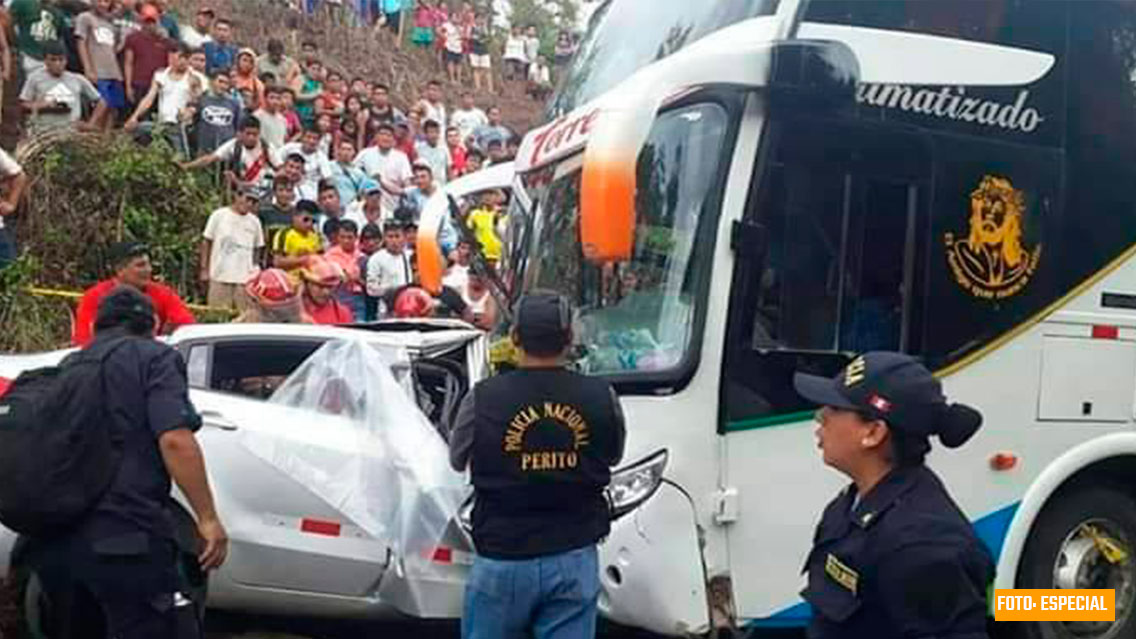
(636, 316)
(626, 36)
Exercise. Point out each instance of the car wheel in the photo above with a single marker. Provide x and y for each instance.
(1085, 539)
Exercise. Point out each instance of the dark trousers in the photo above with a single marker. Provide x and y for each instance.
(7, 248)
(393, 20)
(124, 587)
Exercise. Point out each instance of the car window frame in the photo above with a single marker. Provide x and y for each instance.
(187, 347)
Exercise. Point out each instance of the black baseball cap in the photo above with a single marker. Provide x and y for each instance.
(542, 315)
(122, 252)
(897, 389)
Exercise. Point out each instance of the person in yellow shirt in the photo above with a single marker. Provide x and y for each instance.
(483, 221)
(295, 247)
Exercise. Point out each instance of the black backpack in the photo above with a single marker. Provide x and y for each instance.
(59, 451)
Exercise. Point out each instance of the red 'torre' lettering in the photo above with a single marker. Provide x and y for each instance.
(561, 133)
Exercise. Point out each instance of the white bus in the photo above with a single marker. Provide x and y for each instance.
(738, 189)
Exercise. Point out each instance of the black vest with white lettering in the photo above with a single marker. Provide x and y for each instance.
(544, 442)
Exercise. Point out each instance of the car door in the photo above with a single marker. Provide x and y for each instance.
(283, 536)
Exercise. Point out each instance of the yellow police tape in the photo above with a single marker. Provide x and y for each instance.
(74, 295)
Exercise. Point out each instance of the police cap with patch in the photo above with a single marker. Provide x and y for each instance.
(890, 386)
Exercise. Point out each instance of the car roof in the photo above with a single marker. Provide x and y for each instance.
(426, 336)
(498, 176)
(412, 334)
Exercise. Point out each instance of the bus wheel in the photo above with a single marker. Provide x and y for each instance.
(1085, 539)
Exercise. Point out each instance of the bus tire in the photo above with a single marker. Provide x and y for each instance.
(1057, 536)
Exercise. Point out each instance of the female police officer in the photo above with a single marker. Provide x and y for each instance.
(893, 555)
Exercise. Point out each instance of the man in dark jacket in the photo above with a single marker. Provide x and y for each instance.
(121, 561)
(540, 443)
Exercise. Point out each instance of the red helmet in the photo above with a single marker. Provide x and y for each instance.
(413, 302)
(271, 288)
(321, 271)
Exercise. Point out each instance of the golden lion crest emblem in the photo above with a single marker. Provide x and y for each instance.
(992, 262)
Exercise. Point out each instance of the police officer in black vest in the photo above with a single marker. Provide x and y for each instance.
(540, 443)
(893, 556)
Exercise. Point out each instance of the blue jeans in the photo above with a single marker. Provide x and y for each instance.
(552, 597)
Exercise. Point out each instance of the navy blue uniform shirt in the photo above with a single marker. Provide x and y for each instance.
(147, 396)
(904, 563)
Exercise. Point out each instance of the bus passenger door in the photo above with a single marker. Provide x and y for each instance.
(825, 263)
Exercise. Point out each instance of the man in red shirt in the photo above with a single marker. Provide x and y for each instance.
(321, 281)
(145, 52)
(131, 261)
(457, 150)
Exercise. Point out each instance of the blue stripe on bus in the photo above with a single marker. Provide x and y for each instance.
(991, 529)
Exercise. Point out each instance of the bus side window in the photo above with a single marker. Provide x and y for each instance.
(785, 307)
(842, 228)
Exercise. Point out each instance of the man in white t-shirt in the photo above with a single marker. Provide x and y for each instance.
(367, 209)
(532, 45)
(516, 64)
(230, 251)
(388, 166)
(174, 88)
(389, 269)
(273, 124)
(249, 160)
(316, 165)
(458, 274)
(468, 118)
(14, 179)
(434, 153)
(432, 106)
(54, 95)
(197, 34)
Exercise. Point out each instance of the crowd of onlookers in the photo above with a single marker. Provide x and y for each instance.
(460, 36)
(325, 175)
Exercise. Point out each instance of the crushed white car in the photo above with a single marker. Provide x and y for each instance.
(292, 552)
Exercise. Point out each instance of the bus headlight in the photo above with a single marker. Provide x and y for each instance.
(632, 485)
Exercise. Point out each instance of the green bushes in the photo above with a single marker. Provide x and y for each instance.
(86, 193)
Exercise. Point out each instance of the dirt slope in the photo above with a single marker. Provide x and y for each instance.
(358, 51)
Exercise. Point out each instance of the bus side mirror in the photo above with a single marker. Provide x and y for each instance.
(607, 182)
(813, 74)
(428, 249)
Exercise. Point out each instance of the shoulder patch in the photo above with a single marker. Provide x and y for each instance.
(841, 573)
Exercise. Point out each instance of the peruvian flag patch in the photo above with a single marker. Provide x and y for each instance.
(879, 403)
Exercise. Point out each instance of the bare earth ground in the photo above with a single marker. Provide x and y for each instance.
(358, 51)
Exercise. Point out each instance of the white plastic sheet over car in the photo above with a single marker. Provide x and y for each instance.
(374, 456)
